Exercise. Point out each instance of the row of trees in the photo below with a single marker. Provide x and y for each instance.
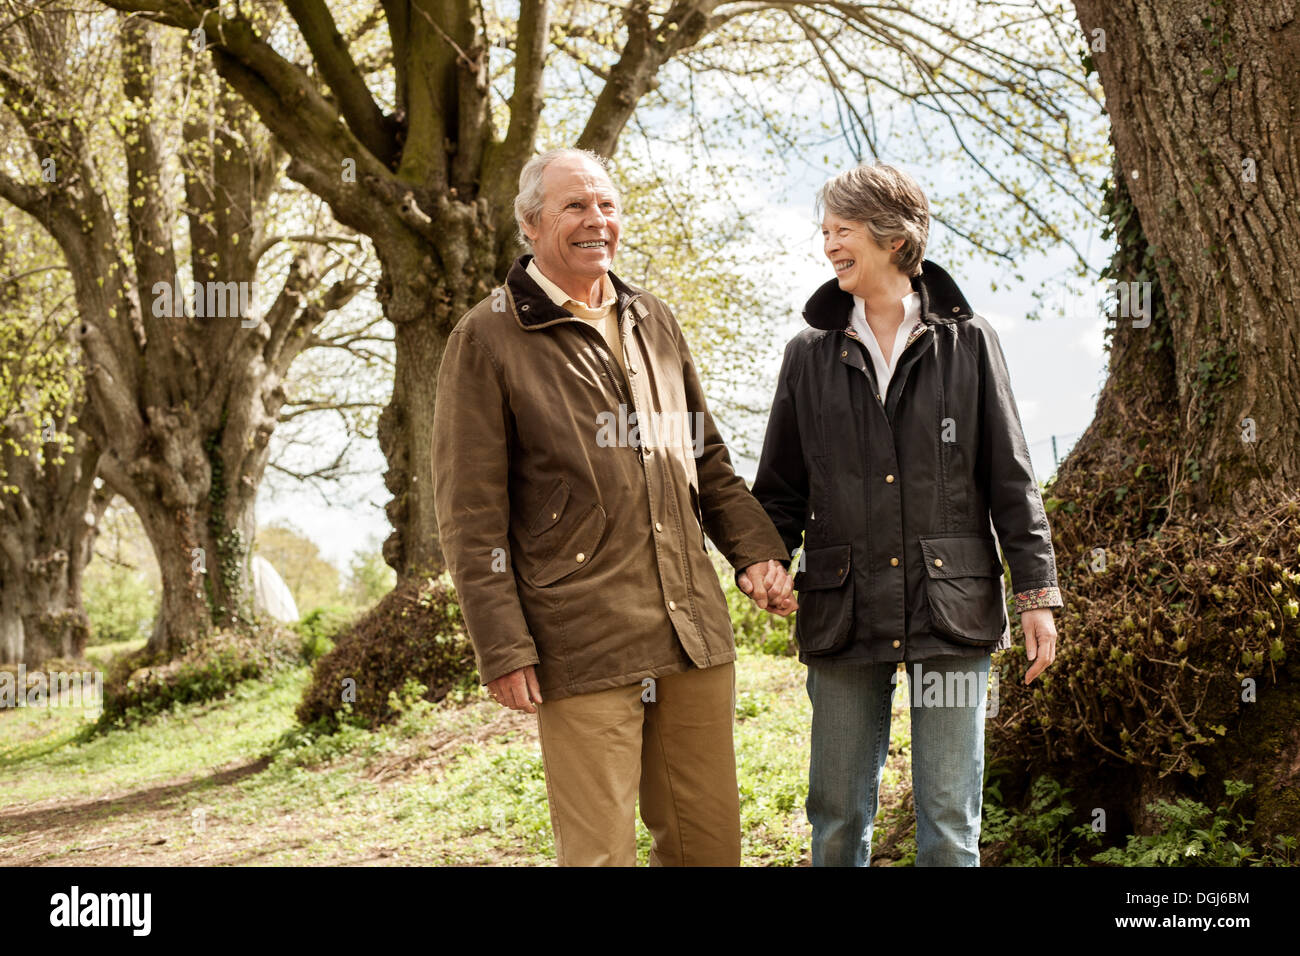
(172, 405)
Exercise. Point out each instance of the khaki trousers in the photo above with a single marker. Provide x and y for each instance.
(599, 749)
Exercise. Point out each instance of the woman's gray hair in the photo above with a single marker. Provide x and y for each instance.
(889, 203)
(532, 194)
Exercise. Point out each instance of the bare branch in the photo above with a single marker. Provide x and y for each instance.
(304, 408)
(330, 51)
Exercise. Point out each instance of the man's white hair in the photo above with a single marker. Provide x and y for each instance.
(532, 194)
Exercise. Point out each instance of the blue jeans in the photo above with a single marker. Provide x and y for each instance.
(850, 741)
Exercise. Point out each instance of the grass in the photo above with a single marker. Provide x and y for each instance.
(234, 781)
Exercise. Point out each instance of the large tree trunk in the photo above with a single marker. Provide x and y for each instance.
(426, 286)
(1204, 102)
(47, 535)
(12, 639)
(405, 426)
(1176, 518)
(195, 501)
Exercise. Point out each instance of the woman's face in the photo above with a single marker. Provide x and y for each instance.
(859, 263)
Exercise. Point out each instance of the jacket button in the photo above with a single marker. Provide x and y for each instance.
(889, 479)
(844, 354)
(893, 562)
(523, 308)
(938, 562)
(581, 557)
(672, 605)
(878, 398)
(658, 526)
(956, 308)
(554, 515)
(896, 643)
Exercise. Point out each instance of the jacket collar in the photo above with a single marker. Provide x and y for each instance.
(533, 308)
(831, 308)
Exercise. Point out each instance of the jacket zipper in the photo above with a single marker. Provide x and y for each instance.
(602, 352)
(894, 378)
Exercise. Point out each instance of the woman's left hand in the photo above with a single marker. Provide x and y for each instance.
(1040, 640)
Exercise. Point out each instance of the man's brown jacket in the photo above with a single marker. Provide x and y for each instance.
(571, 503)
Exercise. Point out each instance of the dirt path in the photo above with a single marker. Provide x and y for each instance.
(194, 819)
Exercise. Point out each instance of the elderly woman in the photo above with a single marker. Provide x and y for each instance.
(894, 451)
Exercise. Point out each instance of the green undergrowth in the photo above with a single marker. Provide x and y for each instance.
(236, 780)
(1051, 831)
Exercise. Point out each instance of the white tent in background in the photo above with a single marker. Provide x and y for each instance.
(271, 596)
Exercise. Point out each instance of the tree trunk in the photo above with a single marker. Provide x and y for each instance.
(1204, 102)
(12, 640)
(195, 501)
(204, 576)
(406, 424)
(47, 534)
(1176, 517)
(424, 303)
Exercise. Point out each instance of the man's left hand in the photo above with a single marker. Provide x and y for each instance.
(1040, 640)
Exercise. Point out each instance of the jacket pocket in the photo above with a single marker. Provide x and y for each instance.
(552, 509)
(823, 623)
(964, 588)
(577, 551)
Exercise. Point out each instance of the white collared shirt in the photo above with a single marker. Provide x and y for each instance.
(859, 329)
(603, 318)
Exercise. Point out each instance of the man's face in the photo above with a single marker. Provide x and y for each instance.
(854, 254)
(576, 234)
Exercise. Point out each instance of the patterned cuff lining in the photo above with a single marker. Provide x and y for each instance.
(1039, 597)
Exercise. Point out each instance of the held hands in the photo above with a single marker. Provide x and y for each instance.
(770, 586)
(1040, 640)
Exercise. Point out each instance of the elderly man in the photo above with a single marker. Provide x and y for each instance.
(577, 471)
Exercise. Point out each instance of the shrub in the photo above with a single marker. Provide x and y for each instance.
(1191, 834)
(138, 685)
(414, 636)
(1037, 836)
(319, 627)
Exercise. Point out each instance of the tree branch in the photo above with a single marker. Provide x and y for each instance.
(504, 163)
(330, 51)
